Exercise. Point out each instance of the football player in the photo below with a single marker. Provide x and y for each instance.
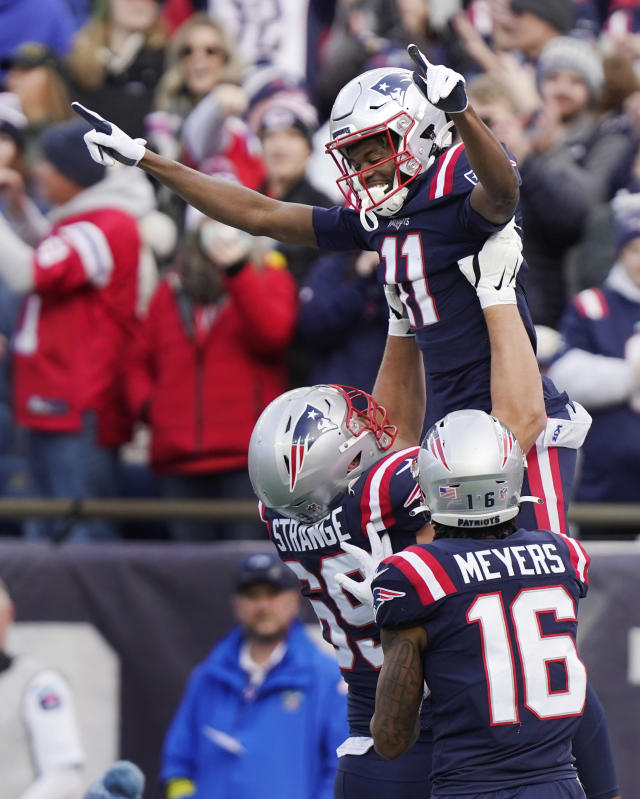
(423, 203)
(333, 473)
(486, 615)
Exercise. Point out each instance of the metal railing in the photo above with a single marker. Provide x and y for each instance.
(585, 514)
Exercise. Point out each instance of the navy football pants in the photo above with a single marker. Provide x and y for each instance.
(370, 776)
(561, 789)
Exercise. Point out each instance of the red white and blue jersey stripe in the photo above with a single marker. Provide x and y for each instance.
(381, 500)
(419, 250)
(500, 617)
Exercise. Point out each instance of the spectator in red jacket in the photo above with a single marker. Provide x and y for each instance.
(209, 357)
(78, 271)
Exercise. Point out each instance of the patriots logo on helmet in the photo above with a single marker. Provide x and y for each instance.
(393, 86)
(311, 424)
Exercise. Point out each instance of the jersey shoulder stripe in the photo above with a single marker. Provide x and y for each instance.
(592, 304)
(93, 249)
(442, 182)
(425, 573)
(579, 558)
(376, 510)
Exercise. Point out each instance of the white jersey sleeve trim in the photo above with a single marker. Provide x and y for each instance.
(93, 248)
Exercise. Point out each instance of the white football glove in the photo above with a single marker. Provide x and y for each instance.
(107, 143)
(399, 324)
(443, 87)
(368, 564)
(493, 270)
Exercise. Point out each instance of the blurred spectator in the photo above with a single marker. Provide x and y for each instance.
(49, 23)
(263, 715)
(198, 106)
(571, 137)
(599, 364)
(285, 34)
(535, 23)
(343, 319)
(34, 76)
(210, 357)
(81, 284)
(285, 120)
(41, 755)
(553, 201)
(117, 59)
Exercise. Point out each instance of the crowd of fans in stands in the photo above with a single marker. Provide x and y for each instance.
(221, 323)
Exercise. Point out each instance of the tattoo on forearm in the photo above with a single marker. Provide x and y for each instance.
(398, 696)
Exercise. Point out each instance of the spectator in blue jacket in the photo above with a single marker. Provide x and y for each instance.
(342, 319)
(263, 715)
(599, 363)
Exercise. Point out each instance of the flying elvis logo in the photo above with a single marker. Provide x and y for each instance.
(382, 595)
(311, 424)
(393, 87)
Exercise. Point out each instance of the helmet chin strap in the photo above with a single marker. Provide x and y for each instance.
(369, 217)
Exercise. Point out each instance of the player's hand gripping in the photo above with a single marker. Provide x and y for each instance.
(367, 564)
(443, 87)
(399, 324)
(107, 143)
(493, 270)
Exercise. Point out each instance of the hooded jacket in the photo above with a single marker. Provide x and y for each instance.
(279, 741)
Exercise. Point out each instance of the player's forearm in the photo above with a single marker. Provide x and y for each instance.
(233, 204)
(516, 386)
(395, 725)
(400, 388)
(496, 176)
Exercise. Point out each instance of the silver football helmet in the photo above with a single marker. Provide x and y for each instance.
(309, 444)
(470, 469)
(385, 101)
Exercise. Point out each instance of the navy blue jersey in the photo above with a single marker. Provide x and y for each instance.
(419, 250)
(507, 685)
(380, 500)
(601, 321)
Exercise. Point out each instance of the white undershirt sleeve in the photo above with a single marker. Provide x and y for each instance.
(596, 381)
(50, 719)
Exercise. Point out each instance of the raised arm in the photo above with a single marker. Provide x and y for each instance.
(395, 725)
(496, 194)
(516, 386)
(219, 199)
(400, 385)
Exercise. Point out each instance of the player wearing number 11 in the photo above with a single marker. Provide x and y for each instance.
(486, 615)
(422, 201)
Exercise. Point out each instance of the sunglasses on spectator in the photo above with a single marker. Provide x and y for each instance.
(211, 50)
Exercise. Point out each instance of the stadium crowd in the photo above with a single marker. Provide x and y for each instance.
(178, 330)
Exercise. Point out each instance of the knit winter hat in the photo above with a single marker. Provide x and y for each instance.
(63, 146)
(626, 218)
(560, 14)
(575, 55)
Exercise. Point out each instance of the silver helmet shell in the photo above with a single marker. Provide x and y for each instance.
(309, 444)
(470, 470)
(385, 101)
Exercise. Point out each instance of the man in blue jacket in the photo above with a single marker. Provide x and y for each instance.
(263, 715)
